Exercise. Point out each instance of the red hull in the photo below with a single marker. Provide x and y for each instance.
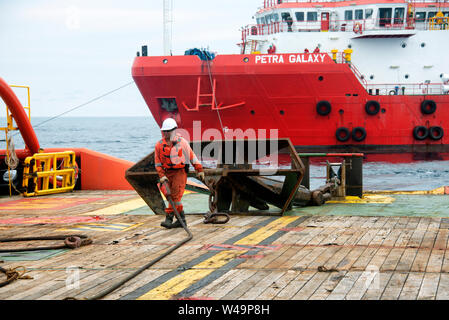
(263, 92)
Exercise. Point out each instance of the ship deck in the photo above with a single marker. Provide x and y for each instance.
(378, 249)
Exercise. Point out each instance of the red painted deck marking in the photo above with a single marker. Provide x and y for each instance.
(51, 220)
(46, 203)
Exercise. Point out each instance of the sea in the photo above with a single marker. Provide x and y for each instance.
(132, 138)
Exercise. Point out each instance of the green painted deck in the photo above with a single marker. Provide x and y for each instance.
(395, 246)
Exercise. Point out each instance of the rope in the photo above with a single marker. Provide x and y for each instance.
(12, 161)
(13, 274)
(70, 241)
(214, 96)
(149, 264)
(84, 104)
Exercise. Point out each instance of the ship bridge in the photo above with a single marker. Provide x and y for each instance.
(362, 18)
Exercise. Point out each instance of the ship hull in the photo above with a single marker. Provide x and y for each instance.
(305, 97)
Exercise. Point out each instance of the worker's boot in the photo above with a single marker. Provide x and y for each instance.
(177, 223)
(168, 221)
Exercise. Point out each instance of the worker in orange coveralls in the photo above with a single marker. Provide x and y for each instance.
(172, 155)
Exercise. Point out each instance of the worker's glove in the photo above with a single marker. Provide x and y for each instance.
(200, 175)
(163, 179)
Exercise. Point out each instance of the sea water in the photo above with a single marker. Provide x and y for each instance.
(132, 138)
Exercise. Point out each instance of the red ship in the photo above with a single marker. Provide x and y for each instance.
(321, 101)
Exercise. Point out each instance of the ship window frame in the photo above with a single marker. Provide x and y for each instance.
(349, 14)
(312, 16)
(356, 17)
(258, 20)
(423, 18)
(431, 14)
(262, 19)
(398, 20)
(303, 16)
(275, 16)
(383, 21)
(370, 14)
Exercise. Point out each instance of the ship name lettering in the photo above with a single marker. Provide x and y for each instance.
(306, 58)
(270, 59)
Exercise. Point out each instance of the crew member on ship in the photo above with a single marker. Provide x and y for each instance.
(171, 156)
(317, 49)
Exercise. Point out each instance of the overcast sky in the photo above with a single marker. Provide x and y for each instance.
(70, 51)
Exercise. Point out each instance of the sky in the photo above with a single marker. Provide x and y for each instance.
(72, 51)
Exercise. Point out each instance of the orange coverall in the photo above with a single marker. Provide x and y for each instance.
(170, 161)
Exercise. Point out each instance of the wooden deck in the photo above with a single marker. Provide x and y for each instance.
(253, 258)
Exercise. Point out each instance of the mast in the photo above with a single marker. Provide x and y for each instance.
(168, 24)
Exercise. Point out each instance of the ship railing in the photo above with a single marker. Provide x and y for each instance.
(406, 89)
(355, 26)
(274, 3)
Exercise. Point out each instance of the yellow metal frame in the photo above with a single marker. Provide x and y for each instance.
(44, 170)
(439, 22)
(9, 118)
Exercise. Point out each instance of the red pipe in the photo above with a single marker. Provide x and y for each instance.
(20, 116)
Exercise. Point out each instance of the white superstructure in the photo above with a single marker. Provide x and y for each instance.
(394, 42)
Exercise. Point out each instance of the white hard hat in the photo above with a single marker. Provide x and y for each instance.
(169, 124)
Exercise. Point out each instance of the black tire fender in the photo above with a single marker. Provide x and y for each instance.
(372, 107)
(436, 133)
(428, 106)
(358, 134)
(346, 134)
(323, 108)
(420, 133)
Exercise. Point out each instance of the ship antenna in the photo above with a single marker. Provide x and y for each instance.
(168, 26)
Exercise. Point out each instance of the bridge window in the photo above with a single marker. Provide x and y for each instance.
(258, 20)
(431, 14)
(263, 20)
(446, 13)
(420, 16)
(399, 15)
(368, 13)
(312, 16)
(348, 15)
(275, 16)
(358, 14)
(299, 16)
(385, 16)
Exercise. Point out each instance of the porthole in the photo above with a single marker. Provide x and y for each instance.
(371, 77)
(320, 78)
(165, 61)
(403, 45)
(349, 46)
(341, 111)
(282, 112)
(406, 76)
(246, 59)
(423, 45)
(253, 112)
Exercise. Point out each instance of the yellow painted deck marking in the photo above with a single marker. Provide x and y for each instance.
(184, 280)
(367, 198)
(103, 227)
(118, 208)
(122, 207)
(267, 231)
